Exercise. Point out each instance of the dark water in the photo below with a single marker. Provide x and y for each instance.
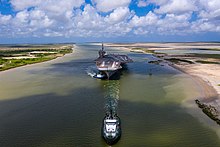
(58, 104)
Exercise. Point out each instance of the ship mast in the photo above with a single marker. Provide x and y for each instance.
(102, 52)
(102, 47)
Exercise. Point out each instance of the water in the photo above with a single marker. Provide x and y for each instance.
(112, 96)
(58, 104)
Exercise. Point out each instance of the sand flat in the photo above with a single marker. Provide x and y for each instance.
(168, 46)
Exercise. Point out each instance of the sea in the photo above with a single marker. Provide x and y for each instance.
(59, 103)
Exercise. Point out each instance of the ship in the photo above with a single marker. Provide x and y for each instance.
(109, 64)
(111, 128)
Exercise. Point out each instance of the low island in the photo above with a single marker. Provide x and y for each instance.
(12, 56)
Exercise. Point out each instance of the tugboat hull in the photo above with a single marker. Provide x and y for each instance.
(111, 141)
(111, 130)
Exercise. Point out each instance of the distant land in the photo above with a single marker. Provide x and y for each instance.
(16, 55)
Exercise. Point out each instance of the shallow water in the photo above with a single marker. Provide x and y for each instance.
(57, 103)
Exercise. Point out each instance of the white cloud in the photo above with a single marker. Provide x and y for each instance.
(174, 24)
(140, 31)
(23, 4)
(60, 6)
(39, 19)
(201, 26)
(209, 9)
(88, 19)
(48, 5)
(210, 5)
(22, 17)
(149, 19)
(118, 15)
(177, 7)
(142, 3)
(158, 2)
(65, 18)
(152, 23)
(109, 5)
(5, 19)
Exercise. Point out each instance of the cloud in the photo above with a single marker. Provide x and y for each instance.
(118, 15)
(149, 19)
(23, 4)
(177, 7)
(159, 2)
(75, 18)
(39, 19)
(142, 3)
(5, 19)
(209, 9)
(88, 22)
(61, 6)
(153, 23)
(48, 5)
(210, 5)
(108, 5)
(88, 19)
(174, 24)
(140, 31)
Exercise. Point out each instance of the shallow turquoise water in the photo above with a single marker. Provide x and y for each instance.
(58, 104)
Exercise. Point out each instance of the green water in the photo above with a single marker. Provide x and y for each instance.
(58, 104)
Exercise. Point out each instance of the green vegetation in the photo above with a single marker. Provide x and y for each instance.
(19, 52)
(143, 49)
(218, 84)
(176, 61)
(8, 56)
(210, 49)
(155, 62)
(207, 62)
(12, 63)
(214, 56)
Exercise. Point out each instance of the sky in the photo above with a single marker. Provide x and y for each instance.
(59, 21)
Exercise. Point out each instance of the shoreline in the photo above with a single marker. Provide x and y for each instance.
(185, 68)
(55, 55)
(208, 92)
(205, 76)
(33, 64)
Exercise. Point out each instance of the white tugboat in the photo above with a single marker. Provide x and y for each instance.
(111, 128)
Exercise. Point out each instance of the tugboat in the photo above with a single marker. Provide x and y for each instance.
(111, 128)
(100, 75)
(109, 64)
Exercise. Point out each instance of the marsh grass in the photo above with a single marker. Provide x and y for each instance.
(176, 60)
(207, 62)
(214, 56)
(144, 49)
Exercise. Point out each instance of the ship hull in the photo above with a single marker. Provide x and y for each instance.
(109, 74)
(109, 139)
